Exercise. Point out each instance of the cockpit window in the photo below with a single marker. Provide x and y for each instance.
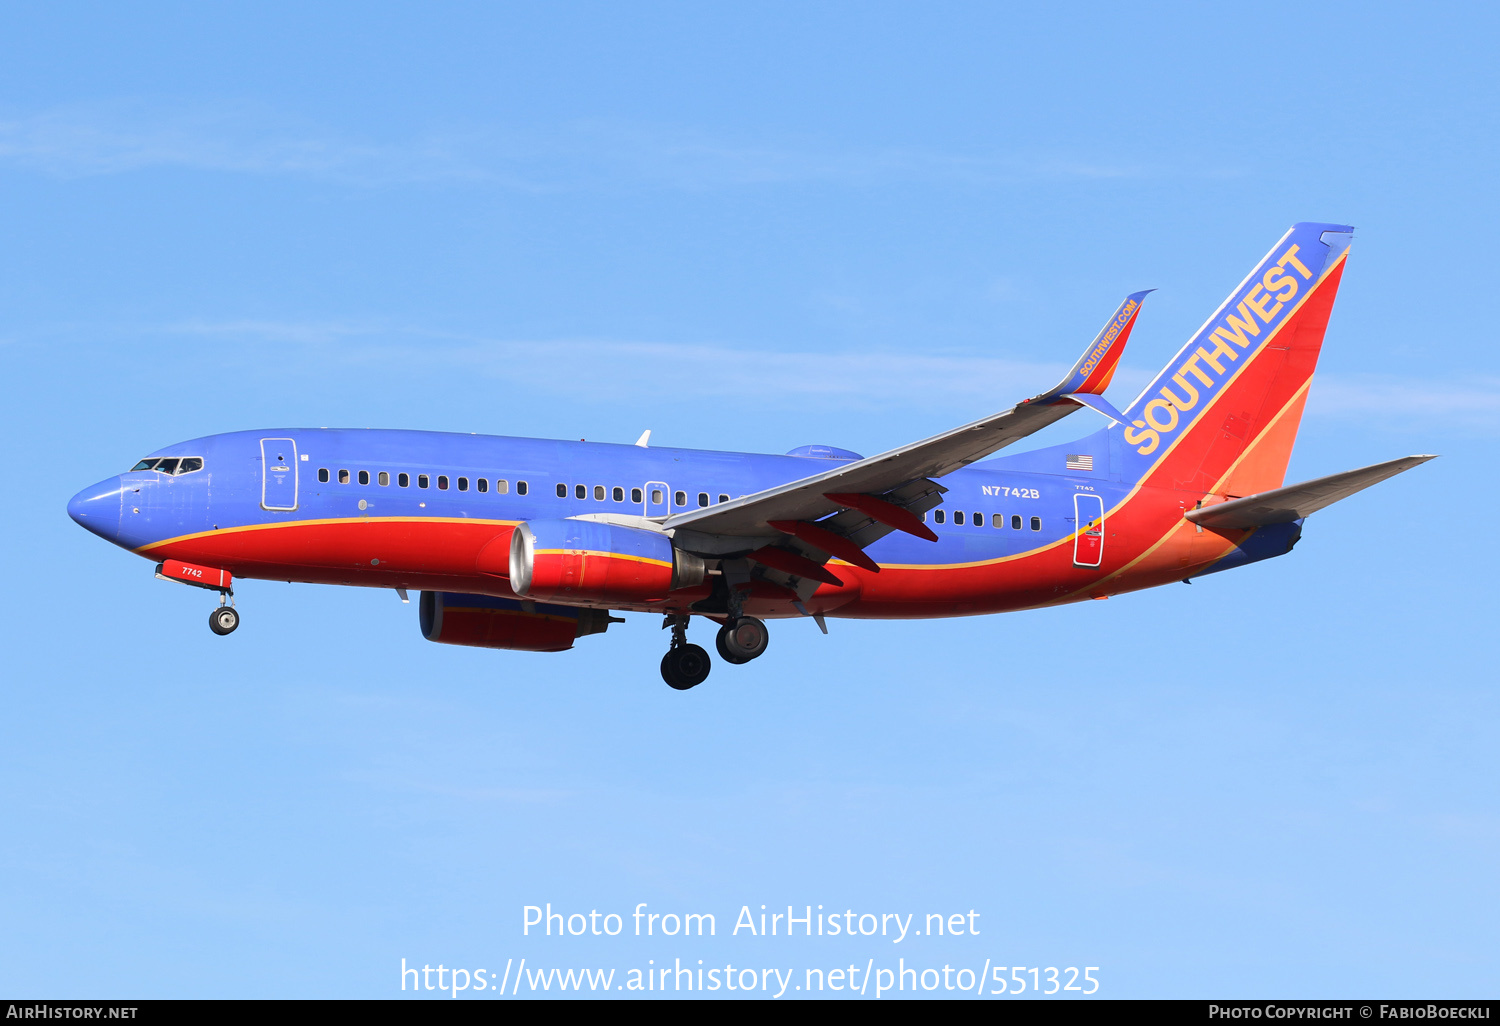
(174, 465)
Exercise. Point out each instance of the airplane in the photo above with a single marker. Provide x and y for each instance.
(531, 544)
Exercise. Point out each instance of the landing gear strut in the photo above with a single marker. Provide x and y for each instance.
(743, 640)
(684, 666)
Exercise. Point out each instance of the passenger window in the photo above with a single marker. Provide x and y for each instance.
(618, 494)
(681, 498)
(580, 492)
(190, 464)
(702, 498)
(442, 482)
(598, 493)
(997, 521)
(1015, 523)
(343, 477)
(656, 495)
(323, 475)
(502, 487)
(384, 479)
(958, 516)
(521, 487)
(723, 498)
(1036, 523)
(562, 491)
(364, 477)
(939, 516)
(404, 480)
(463, 484)
(421, 480)
(482, 484)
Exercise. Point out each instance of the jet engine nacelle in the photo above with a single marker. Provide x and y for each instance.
(485, 622)
(589, 561)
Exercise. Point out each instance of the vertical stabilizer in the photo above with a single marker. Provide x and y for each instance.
(1222, 417)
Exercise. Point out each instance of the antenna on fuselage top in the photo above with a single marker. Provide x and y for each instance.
(645, 440)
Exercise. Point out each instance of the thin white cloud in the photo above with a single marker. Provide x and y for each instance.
(689, 159)
(1473, 403)
(114, 138)
(241, 138)
(605, 368)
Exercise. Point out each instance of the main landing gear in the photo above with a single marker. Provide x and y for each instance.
(686, 666)
(743, 640)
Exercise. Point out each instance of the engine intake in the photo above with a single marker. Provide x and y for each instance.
(588, 561)
(485, 622)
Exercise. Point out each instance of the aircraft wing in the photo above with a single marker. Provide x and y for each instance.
(1283, 505)
(888, 491)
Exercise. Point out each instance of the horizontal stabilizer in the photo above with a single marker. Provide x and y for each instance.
(1283, 505)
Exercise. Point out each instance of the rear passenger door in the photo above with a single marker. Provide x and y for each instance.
(1088, 529)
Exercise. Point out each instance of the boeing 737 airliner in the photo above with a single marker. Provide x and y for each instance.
(520, 543)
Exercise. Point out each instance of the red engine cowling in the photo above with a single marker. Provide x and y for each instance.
(588, 561)
(485, 622)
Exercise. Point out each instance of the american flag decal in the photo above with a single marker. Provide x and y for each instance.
(1080, 462)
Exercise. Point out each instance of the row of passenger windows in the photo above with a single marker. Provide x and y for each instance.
(977, 519)
(617, 494)
(403, 480)
(502, 487)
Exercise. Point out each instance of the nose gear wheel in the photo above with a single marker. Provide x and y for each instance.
(223, 620)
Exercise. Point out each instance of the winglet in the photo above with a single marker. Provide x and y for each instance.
(1092, 373)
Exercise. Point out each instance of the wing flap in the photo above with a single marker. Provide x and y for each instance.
(1283, 505)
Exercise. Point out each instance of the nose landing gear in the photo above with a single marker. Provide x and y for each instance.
(684, 666)
(224, 619)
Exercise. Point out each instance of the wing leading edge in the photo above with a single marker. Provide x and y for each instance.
(890, 490)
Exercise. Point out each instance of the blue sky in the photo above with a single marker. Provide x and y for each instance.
(835, 223)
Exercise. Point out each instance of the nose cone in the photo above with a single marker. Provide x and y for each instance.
(97, 508)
